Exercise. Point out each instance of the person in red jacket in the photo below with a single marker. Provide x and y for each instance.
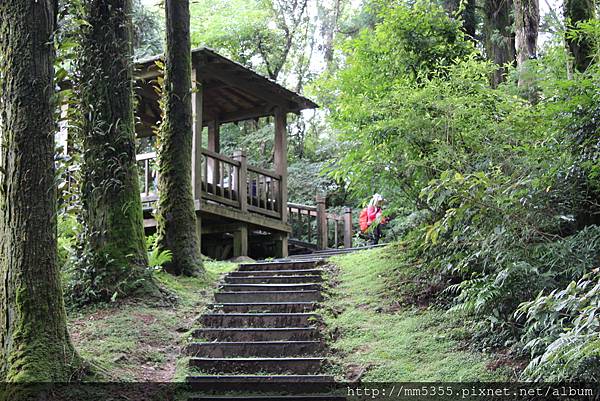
(375, 217)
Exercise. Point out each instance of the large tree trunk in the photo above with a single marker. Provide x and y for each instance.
(527, 22)
(467, 12)
(33, 331)
(176, 212)
(581, 47)
(114, 259)
(499, 36)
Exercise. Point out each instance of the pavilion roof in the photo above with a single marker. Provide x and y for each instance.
(231, 92)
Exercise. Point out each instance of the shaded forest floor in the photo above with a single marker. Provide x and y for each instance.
(375, 336)
(140, 341)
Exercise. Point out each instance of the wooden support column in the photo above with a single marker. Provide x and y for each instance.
(322, 229)
(214, 144)
(199, 230)
(241, 185)
(281, 245)
(240, 241)
(197, 98)
(281, 168)
(281, 161)
(348, 232)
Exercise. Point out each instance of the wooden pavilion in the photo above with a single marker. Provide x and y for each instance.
(237, 204)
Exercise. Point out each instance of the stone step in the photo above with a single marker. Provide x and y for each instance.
(267, 296)
(266, 307)
(286, 265)
(315, 397)
(256, 349)
(271, 287)
(257, 334)
(299, 366)
(258, 319)
(269, 384)
(261, 379)
(273, 279)
(270, 273)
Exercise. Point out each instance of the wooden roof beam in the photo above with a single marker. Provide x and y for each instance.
(256, 89)
(249, 114)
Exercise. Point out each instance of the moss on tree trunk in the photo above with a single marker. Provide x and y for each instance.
(527, 22)
(581, 47)
(114, 259)
(499, 36)
(176, 212)
(33, 332)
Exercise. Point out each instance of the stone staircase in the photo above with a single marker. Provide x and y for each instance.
(261, 340)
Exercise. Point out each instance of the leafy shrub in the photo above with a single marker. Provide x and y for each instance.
(563, 329)
(157, 258)
(506, 191)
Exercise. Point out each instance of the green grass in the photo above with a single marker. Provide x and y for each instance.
(379, 338)
(142, 341)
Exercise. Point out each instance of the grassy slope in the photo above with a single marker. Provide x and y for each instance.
(382, 341)
(136, 341)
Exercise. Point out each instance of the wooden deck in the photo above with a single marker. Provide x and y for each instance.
(230, 189)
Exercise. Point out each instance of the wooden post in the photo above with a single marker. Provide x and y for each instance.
(197, 96)
(281, 244)
(214, 144)
(241, 186)
(348, 234)
(322, 240)
(281, 161)
(199, 230)
(240, 241)
(281, 168)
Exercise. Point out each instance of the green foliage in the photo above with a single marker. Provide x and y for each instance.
(390, 101)
(495, 198)
(147, 31)
(157, 258)
(564, 331)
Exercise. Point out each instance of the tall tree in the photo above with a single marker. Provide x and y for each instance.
(176, 212)
(290, 17)
(114, 258)
(527, 23)
(499, 36)
(33, 332)
(581, 47)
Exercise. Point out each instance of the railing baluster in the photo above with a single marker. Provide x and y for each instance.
(230, 180)
(308, 227)
(222, 189)
(147, 177)
(335, 233)
(205, 174)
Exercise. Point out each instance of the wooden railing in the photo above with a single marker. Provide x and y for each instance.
(149, 176)
(220, 179)
(264, 192)
(315, 225)
(220, 183)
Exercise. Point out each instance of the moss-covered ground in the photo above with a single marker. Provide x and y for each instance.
(142, 341)
(377, 336)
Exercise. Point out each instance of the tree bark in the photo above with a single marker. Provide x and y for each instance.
(581, 47)
(527, 22)
(499, 36)
(176, 212)
(33, 332)
(114, 259)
